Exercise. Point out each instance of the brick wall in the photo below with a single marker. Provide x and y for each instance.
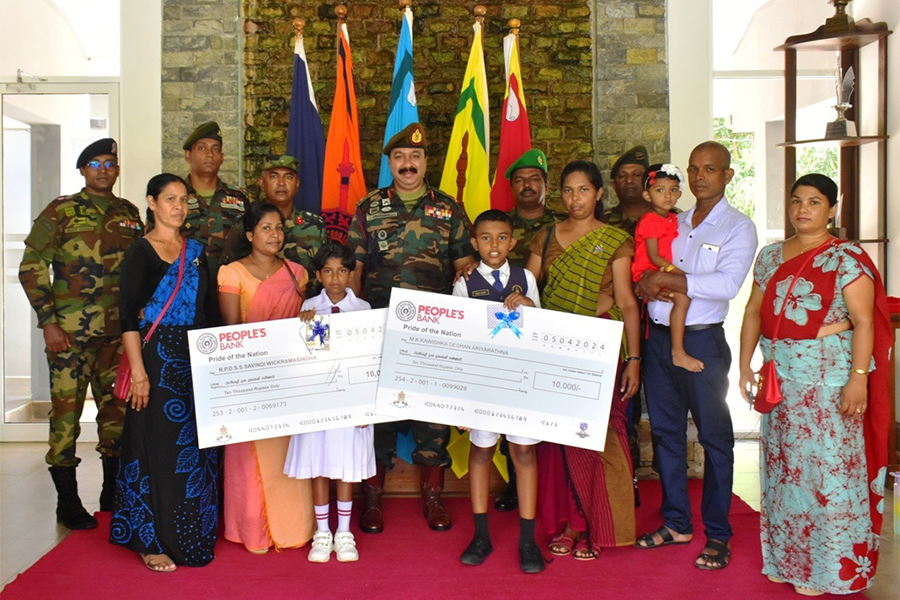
(628, 87)
(201, 78)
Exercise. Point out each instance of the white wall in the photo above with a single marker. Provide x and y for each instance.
(140, 97)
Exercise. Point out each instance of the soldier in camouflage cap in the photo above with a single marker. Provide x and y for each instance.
(213, 206)
(409, 235)
(626, 178)
(304, 232)
(81, 239)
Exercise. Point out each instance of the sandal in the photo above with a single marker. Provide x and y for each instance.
(646, 541)
(587, 553)
(153, 562)
(562, 544)
(717, 561)
(808, 591)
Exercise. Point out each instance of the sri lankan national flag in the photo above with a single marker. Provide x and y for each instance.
(343, 184)
(466, 174)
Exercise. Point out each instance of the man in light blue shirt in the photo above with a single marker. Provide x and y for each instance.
(715, 247)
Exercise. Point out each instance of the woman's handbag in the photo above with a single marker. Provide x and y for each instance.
(123, 375)
(768, 393)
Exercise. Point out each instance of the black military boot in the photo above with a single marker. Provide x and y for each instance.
(108, 492)
(69, 510)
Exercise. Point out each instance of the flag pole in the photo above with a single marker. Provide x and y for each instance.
(404, 4)
(341, 11)
(480, 11)
(299, 24)
(514, 25)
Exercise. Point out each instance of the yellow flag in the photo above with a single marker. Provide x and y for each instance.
(466, 174)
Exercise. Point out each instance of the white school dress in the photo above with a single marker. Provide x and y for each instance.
(348, 453)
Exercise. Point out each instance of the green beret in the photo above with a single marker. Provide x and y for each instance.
(411, 136)
(280, 161)
(635, 156)
(533, 158)
(209, 130)
(98, 148)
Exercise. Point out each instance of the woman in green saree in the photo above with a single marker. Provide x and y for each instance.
(586, 498)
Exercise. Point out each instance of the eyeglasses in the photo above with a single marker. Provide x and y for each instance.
(109, 164)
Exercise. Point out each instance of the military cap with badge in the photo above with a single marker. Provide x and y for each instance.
(206, 131)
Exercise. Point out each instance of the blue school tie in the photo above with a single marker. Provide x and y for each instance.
(498, 285)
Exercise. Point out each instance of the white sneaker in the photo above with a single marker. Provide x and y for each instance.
(345, 547)
(320, 552)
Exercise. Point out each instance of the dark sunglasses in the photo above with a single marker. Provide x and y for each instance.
(109, 164)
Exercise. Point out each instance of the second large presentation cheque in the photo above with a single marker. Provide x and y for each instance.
(471, 363)
(276, 378)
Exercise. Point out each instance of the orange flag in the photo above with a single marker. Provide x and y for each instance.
(343, 184)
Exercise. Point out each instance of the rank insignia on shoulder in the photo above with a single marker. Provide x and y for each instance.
(130, 224)
(438, 213)
(298, 220)
(193, 203)
(383, 246)
(233, 203)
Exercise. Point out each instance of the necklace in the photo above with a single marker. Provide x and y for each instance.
(262, 268)
(813, 245)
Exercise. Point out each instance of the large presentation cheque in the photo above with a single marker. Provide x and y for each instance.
(471, 363)
(275, 378)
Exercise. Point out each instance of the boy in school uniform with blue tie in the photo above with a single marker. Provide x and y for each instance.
(496, 280)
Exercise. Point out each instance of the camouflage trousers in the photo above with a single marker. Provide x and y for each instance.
(431, 443)
(91, 361)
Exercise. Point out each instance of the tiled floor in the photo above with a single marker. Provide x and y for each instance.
(28, 526)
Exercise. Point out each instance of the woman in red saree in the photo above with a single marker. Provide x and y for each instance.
(824, 446)
(263, 507)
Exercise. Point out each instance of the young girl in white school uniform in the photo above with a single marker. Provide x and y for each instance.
(345, 455)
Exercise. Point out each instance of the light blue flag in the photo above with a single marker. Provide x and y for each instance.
(402, 110)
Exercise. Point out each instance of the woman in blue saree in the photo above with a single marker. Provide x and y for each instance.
(166, 498)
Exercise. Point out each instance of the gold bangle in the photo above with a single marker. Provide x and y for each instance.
(670, 268)
(860, 371)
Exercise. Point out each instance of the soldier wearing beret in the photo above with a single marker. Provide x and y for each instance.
(213, 206)
(81, 239)
(304, 232)
(626, 177)
(408, 235)
(528, 181)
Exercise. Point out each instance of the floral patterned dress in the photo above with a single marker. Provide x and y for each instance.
(166, 492)
(817, 527)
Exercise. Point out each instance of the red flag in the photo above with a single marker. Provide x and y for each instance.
(343, 184)
(515, 132)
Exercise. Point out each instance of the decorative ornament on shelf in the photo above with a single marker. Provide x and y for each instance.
(840, 22)
(842, 128)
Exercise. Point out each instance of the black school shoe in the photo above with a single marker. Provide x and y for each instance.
(477, 551)
(530, 557)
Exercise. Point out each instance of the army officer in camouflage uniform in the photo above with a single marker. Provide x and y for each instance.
(304, 232)
(213, 206)
(80, 240)
(409, 235)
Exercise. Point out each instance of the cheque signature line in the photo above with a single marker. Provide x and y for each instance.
(526, 360)
(274, 399)
(499, 387)
(296, 387)
(441, 368)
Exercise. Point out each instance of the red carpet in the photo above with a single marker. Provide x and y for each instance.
(410, 561)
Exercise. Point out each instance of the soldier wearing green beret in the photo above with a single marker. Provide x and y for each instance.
(81, 239)
(408, 235)
(304, 232)
(626, 177)
(213, 206)
(528, 182)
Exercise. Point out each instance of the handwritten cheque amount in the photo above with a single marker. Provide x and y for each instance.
(276, 378)
(534, 373)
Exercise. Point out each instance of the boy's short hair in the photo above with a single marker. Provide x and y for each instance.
(494, 215)
(334, 250)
